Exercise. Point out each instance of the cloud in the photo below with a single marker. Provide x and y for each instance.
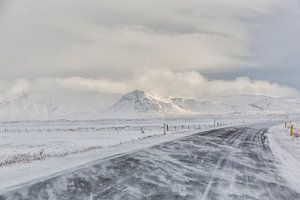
(192, 83)
(161, 81)
(101, 85)
(20, 86)
(71, 37)
(120, 41)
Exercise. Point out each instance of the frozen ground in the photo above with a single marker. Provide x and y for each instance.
(287, 151)
(37, 149)
(32, 151)
(29, 141)
(231, 163)
(17, 147)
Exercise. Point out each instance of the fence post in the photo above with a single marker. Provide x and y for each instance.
(292, 131)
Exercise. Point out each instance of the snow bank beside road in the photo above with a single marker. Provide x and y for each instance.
(287, 150)
(20, 174)
(73, 143)
(22, 142)
(20, 147)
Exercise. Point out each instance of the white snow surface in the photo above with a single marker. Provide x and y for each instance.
(54, 105)
(140, 102)
(69, 144)
(33, 150)
(74, 105)
(246, 104)
(287, 151)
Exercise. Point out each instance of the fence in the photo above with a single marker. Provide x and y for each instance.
(123, 129)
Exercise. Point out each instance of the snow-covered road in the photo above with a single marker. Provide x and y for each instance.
(229, 163)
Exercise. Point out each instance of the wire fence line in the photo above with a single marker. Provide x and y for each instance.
(136, 128)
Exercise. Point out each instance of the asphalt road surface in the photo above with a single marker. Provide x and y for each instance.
(229, 163)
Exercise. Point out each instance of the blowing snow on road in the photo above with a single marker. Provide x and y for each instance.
(149, 99)
(228, 163)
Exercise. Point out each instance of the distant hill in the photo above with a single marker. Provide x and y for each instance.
(135, 104)
(143, 103)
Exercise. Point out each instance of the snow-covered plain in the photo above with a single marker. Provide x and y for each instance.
(228, 163)
(39, 140)
(24, 147)
(26, 141)
(287, 150)
(35, 149)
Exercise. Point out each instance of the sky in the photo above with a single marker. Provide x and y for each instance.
(171, 47)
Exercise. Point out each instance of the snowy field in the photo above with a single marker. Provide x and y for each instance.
(35, 149)
(28, 141)
(39, 143)
(226, 163)
(31, 150)
(39, 140)
(287, 151)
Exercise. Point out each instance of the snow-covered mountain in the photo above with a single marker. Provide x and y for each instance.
(54, 105)
(94, 105)
(138, 103)
(145, 103)
(240, 104)
(26, 106)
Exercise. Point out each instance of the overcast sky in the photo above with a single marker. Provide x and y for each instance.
(172, 47)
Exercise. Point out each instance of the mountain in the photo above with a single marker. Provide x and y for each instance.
(202, 106)
(54, 105)
(140, 102)
(25, 106)
(239, 104)
(78, 105)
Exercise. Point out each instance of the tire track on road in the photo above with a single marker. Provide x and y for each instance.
(229, 163)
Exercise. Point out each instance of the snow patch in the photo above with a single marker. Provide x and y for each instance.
(287, 150)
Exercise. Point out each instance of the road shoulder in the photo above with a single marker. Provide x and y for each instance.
(21, 174)
(287, 152)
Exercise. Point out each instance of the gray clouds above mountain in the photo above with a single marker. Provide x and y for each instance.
(112, 39)
(160, 81)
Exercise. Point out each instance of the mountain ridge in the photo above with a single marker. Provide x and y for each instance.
(137, 103)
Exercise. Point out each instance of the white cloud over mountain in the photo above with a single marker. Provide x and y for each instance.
(73, 37)
(160, 81)
(154, 45)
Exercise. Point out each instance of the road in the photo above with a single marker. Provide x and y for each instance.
(229, 163)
